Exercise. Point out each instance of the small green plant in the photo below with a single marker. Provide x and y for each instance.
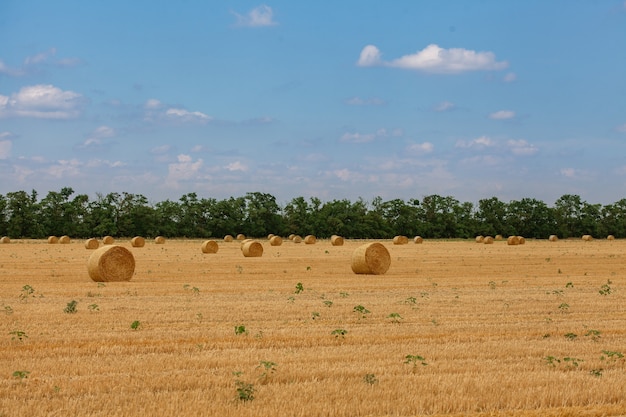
(370, 379)
(361, 310)
(194, 290)
(27, 292)
(595, 334)
(328, 303)
(8, 310)
(564, 307)
(569, 285)
(611, 355)
(571, 336)
(552, 360)
(605, 289)
(239, 269)
(596, 372)
(268, 369)
(21, 374)
(492, 285)
(415, 360)
(70, 308)
(101, 285)
(135, 325)
(308, 268)
(299, 288)
(395, 317)
(240, 329)
(315, 315)
(245, 390)
(344, 294)
(410, 300)
(18, 335)
(93, 307)
(574, 362)
(339, 333)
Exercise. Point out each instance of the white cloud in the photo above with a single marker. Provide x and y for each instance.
(184, 169)
(236, 166)
(434, 59)
(480, 142)
(522, 148)
(64, 169)
(510, 77)
(622, 128)
(152, 104)
(40, 57)
(95, 138)
(41, 101)
(444, 106)
(369, 137)
(12, 72)
(568, 172)
(260, 16)
(5, 148)
(358, 101)
(186, 116)
(502, 115)
(421, 148)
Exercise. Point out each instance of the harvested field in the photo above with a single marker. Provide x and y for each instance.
(452, 328)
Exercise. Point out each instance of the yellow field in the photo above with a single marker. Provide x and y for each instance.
(532, 330)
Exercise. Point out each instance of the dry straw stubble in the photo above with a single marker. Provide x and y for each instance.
(111, 263)
(209, 246)
(371, 258)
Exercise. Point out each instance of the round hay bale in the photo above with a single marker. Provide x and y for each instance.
(479, 239)
(553, 238)
(336, 240)
(243, 242)
(587, 238)
(371, 258)
(65, 239)
(111, 263)
(610, 237)
(291, 236)
(53, 239)
(309, 240)
(138, 242)
(159, 240)
(498, 237)
(108, 240)
(241, 236)
(521, 240)
(512, 240)
(488, 240)
(92, 243)
(5, 239)
(252, 249)
(297, 239)
(228, 238)
(418, 240)
(276, 240)
(271, 235)
(209, 246)
(400, 240)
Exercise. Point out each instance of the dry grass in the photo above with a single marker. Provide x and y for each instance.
(483, 317)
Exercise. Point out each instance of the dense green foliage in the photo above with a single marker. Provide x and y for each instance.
(24, 215)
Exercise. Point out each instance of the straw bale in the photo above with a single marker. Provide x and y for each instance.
(138, 242)
(241, 236)
(309, 240)
(498, 237)
(53, 239)
(228, 238)
(271, 235)
(159, 240)
(587, 238)
(400, 240)
(297, 239)
(92, 243)
(521, 240)
(111, 263)
(252, 249)
(479, 239)
(336, 240)
(488, 240)
(371, 258)
(610, 237)
(5, 239)
(512, 240)
(108, 240)
(291, 236)
(209, 246)
(276, 240)
(418, 239)
(65, 239)
(553, 238)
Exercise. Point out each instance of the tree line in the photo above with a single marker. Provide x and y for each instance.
(25, 215)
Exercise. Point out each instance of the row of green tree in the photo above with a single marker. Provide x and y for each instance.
(24, 215)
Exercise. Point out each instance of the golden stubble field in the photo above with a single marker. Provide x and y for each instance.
(453, 328)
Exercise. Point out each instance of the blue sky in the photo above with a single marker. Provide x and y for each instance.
(349, 99)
